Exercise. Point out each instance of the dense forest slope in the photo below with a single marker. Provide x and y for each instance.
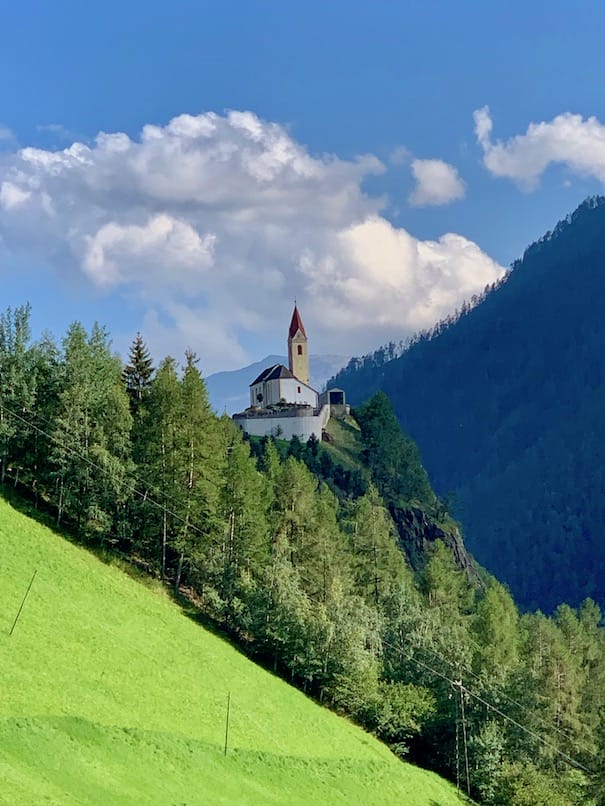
(507, 406)
(333, 563)
(109, 694)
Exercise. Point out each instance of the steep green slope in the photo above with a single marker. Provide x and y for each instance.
(109, 694)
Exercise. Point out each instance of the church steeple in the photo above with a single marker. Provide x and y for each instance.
(298, 355)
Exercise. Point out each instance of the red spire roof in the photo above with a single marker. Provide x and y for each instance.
(296, 324)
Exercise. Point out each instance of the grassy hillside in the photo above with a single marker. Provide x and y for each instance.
(344, 445)
(110, 695)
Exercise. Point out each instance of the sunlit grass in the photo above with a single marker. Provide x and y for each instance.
(109, 694)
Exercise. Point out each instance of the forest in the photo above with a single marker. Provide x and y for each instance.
(505, 401)
(298, 561)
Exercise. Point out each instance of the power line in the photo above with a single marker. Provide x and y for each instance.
(496, 689)
(458, 684)
(147, 499)
(167, 496)
(529, 731)
(144, 495)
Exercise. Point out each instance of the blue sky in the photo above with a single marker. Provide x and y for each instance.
(202, 232)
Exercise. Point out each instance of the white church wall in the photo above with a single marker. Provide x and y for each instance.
(272, 392)
(295, 391)
(285, 426)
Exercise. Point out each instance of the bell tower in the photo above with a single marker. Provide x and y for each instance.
(298, 355)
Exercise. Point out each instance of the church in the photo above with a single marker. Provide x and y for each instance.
(282, 402)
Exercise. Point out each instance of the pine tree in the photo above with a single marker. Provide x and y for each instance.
(138, 372)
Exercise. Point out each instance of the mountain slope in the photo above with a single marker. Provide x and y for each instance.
(507, 404)
(109, 694)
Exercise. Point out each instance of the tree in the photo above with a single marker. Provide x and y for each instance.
(391, 456)
(243, 513)
(138, 372)
(377, 561)
(204, 448)
(90, 434)
(495, 630)
(182, 464)
(17, 387)
(47, 371)
(159, 459)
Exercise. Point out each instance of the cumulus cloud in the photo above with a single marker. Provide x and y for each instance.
(437, 183)
(570, 140)
(216, 222)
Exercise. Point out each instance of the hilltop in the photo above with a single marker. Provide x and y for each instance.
(228, 390)
(110, 694)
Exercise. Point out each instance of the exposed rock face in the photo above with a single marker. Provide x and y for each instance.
(417, 532)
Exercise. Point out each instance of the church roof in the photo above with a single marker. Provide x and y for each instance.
(273, 373)
(296, 324)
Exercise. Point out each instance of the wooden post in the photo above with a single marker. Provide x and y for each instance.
(31, 582)
(227, 721)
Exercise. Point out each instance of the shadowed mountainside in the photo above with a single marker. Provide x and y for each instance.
(507, 406)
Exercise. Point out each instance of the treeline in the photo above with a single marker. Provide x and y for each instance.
(366, 372)
(307, 574)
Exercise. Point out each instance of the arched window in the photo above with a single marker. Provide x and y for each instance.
(299, 349)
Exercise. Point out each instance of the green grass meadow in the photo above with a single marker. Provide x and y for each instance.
(110, 695)
(346, 445)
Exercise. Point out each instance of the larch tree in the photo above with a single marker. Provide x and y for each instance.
(91, 432)
(160, 465)
(201, 467)
(17, 387)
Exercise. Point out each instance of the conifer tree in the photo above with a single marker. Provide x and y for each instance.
(138, 372)
(201, 468)
(91, 431)
(391, 456)
(377, 561)
(17, 386)
(243, 513)
(159, 463)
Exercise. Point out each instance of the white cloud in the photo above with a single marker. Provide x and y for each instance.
(12, 195)
(215, 223)
(437, 183)
(570, 140)
(162, 241)
(400, 156)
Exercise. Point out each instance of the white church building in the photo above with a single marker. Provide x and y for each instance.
(282, 403)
